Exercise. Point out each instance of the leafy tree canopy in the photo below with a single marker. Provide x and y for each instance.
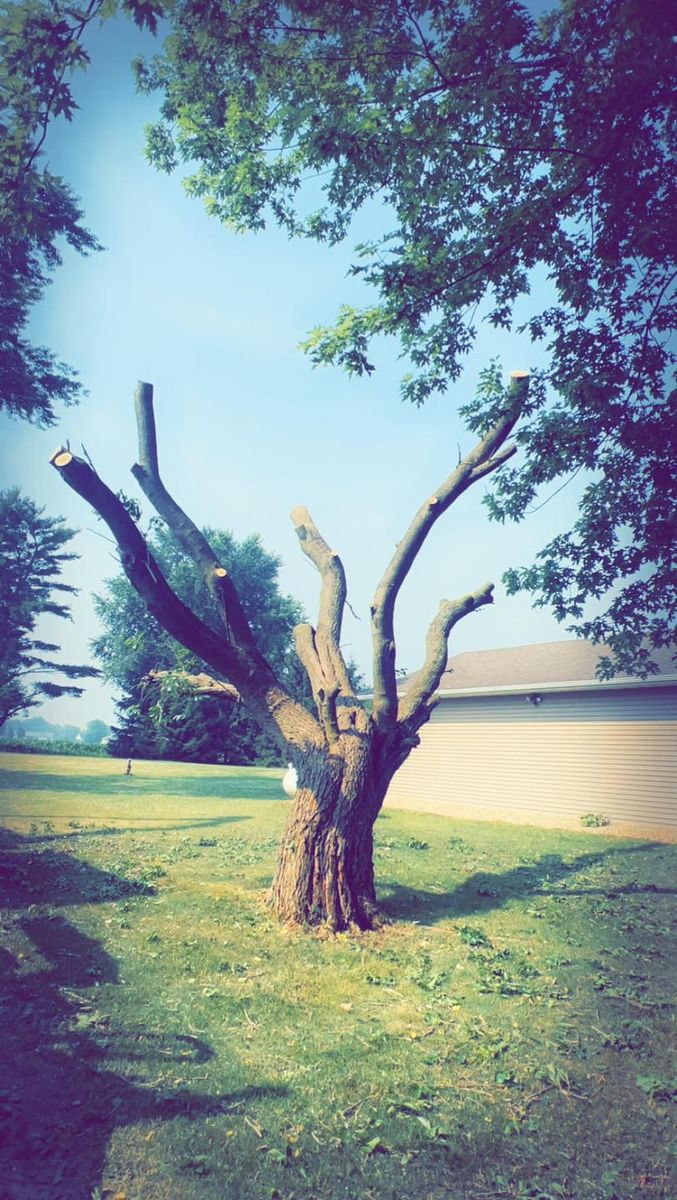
(505, 149)
(167, 718)
(41, 45)
(32, 550)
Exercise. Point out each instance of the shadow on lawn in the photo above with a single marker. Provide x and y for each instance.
(194, 787)
(59, 1099)
(484, 891)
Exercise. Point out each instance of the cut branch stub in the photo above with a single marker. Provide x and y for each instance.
(332, 601)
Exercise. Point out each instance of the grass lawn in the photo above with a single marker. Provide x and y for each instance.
(507, 1035)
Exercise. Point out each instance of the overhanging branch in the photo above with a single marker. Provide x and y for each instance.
(202, 684)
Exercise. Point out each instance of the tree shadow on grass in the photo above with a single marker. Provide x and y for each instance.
(195, 787)
(485, 891)
(29, 876)
(59, 1100)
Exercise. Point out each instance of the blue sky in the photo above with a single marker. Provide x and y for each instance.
(247, 427)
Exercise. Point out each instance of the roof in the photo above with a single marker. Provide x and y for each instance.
(566, 665)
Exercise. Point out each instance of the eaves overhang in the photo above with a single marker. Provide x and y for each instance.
(570, 685)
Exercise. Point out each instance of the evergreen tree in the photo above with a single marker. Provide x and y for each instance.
(32, 552)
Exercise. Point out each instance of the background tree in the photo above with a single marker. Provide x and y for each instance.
(94, 732)
(506, 151)
(165, 717)
(33, 554)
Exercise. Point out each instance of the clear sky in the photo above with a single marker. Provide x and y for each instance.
(247, 427)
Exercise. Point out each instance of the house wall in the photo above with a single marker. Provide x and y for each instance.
(606, 751)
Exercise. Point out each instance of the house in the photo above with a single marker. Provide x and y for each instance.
(530, 734)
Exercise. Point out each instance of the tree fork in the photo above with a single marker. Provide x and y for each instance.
(332, 599)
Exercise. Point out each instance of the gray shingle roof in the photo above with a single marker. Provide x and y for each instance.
(571, 661)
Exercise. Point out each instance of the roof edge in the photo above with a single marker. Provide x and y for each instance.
(580, 685)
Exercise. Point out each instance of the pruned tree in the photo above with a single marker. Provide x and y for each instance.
(345, 753)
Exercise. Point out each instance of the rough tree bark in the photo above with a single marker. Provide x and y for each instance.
(345, 754)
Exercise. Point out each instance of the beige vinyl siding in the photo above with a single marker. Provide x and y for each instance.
(610, 752)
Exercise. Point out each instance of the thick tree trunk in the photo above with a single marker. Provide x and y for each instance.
(325, 868)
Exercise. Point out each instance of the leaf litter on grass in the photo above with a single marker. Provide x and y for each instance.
(469, 1054)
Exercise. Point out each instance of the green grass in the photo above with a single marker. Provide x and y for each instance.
(505, 1036)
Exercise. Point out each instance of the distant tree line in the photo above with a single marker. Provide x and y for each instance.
(44, 746)
(35, 735)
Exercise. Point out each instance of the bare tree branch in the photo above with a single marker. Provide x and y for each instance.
(489, 454)
(332, 600)
(191, 539)
(142, 569)
(249, 672)
(414, 703)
